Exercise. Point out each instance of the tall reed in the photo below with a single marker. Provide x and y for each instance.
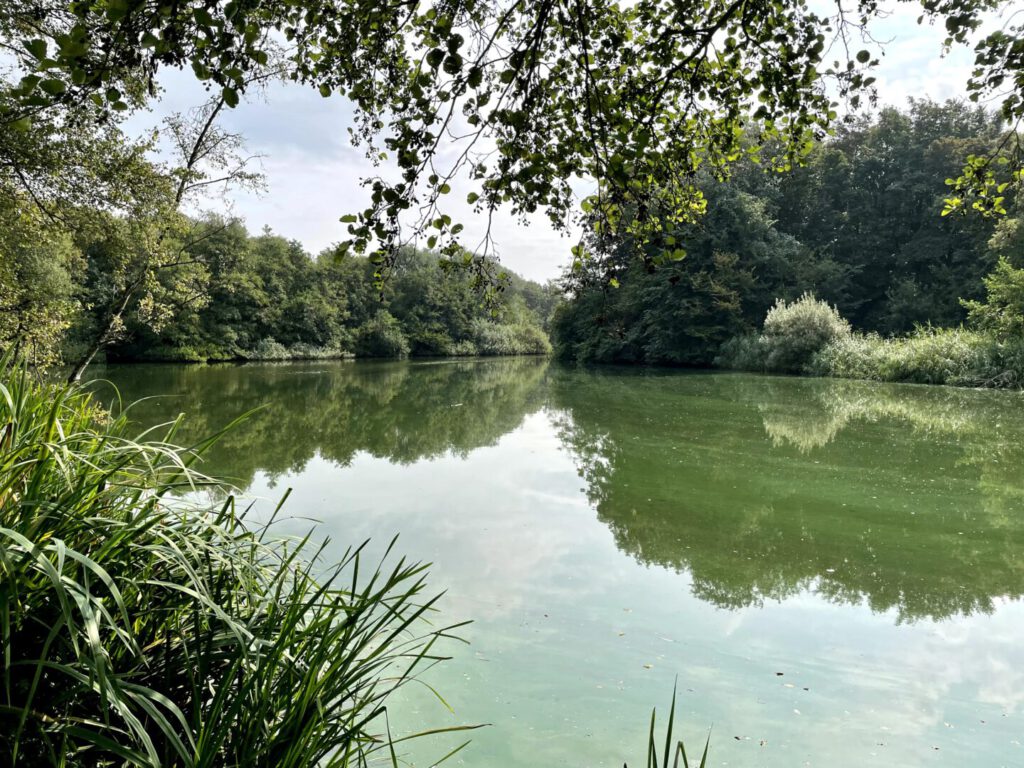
(673, 754)
(140, 629)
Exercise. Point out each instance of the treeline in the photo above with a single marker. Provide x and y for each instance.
(225, 294)
(860, 226)
(266, 298)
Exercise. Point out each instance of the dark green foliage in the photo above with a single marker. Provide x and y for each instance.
(381, 336)
(868, 208)
(860, 226)
(677, 315)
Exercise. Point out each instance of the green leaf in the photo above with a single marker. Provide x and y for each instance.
(202, 16)
(434, 58)
(230, 97)
(453, 64)
(37, 48)
(29, 82)
(53, 87)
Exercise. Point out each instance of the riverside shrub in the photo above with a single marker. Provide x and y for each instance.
(1002, 312)
(381, 336)
(794, 332)
(952, 356)
(509, 339)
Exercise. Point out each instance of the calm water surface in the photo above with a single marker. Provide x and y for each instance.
(832, 569)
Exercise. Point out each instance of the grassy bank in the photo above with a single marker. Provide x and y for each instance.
(808, 337)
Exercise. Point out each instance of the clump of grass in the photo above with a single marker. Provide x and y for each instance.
(672, 754)
(809, 336)
(953, 356)
(140, 630)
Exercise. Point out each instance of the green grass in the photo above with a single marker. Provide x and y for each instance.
(673, 754)
(952, 356)
(138, 629)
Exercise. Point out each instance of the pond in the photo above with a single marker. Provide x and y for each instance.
(832, 570)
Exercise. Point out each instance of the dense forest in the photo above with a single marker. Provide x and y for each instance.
(265, 297)
(234, 296)
(860, 226)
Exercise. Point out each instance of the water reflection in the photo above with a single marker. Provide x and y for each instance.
(396, 411)
(742, 490)
(907, 498)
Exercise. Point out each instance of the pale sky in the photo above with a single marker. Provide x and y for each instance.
(313, 173)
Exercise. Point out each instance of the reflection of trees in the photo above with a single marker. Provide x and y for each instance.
(399, 411)
(809, 414)
(906, 498)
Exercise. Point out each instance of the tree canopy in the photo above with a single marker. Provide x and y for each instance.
(524, 97)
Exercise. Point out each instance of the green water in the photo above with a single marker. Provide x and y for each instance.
(832, 569)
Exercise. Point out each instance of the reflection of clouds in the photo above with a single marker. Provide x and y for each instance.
(931, 687)
(873, 689)
(503, 525)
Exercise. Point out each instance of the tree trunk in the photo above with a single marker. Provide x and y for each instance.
(76, 373)
(103, 337)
